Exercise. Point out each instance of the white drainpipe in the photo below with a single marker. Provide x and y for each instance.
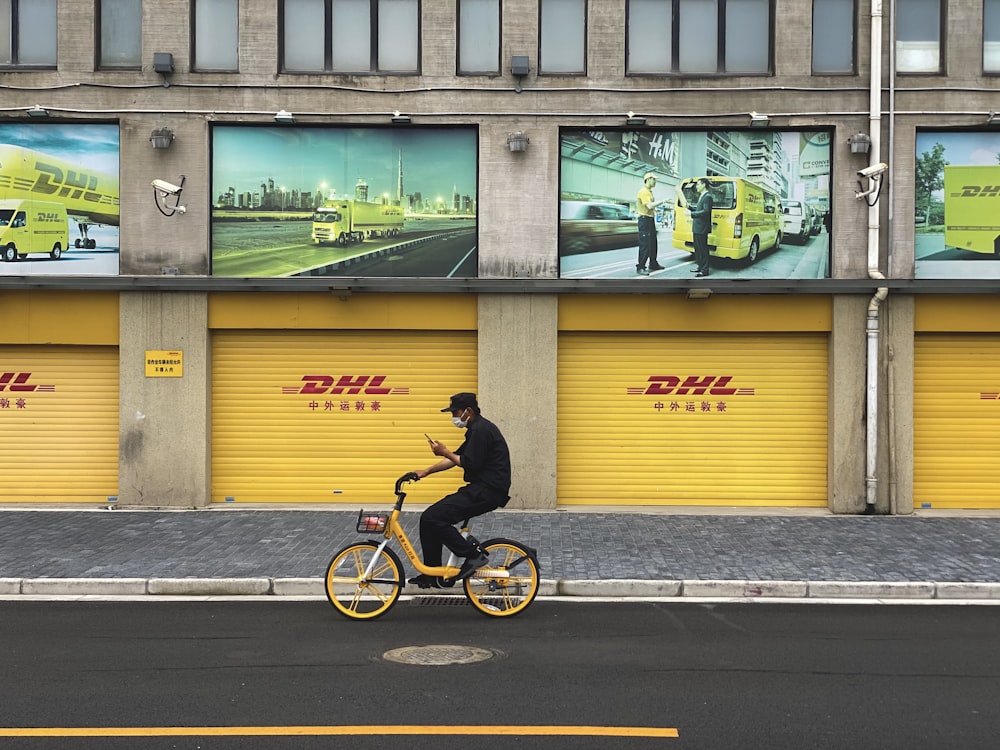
(872, 323)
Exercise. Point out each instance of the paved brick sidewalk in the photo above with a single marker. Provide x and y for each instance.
(237, 543)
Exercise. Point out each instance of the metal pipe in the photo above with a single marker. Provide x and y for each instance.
(874, 305)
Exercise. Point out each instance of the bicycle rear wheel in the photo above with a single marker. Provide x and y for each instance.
(355, 596)
(504, 596)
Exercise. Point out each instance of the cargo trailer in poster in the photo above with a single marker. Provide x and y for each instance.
(956, 202)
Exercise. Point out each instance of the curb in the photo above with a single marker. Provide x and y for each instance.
(669, 589)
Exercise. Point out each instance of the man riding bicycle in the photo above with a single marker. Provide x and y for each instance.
(485, 461)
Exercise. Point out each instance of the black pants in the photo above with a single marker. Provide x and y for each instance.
(647, 242)
(701, 252)
(437, 523)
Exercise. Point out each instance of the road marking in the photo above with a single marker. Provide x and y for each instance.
(567, 731)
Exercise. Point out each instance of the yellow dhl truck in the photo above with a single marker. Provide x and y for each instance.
(746, 218)
(30, 227)
(972, 208)
(349, 221)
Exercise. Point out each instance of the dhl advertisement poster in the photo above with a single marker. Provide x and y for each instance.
(344, 201)
(956, 202)
(58, 199)
(631, 203)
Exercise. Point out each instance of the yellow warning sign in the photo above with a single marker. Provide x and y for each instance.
(164, 364)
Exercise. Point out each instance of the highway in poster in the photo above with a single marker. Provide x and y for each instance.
(341, 201)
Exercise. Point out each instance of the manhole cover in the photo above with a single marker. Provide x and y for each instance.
(438, 655)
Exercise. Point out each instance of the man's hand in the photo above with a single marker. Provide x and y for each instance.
(439, 449)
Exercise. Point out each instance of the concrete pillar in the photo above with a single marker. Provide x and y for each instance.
(899, 365)
(518, 345)
(846, 417)
(164, 421)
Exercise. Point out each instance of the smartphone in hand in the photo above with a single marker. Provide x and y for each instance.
(429, 439)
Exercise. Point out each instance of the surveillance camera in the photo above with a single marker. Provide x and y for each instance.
(874, 170)
(167, 188)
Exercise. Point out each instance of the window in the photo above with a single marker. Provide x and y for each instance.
(833, 36)
(479, 37)
(120, 41)
(28, 32)
(699, 36)
(991, 36)
(918, 36)
(351, 36)
(563, 42)
(216, 26)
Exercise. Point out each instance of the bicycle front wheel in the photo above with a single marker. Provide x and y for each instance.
(356, 595)
(508, 584)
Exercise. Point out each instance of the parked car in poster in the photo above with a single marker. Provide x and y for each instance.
(798, 221)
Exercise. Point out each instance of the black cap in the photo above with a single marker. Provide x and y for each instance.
(462, 401)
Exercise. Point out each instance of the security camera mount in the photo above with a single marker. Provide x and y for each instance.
(163, 190)
(874, 174)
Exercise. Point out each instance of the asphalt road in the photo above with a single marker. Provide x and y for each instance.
(648, 675)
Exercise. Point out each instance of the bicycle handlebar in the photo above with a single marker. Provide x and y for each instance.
(410, 476)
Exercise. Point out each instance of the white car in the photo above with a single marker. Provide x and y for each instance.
(798, 221)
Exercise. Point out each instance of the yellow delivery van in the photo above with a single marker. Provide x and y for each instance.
(746, 218)
(28, 227)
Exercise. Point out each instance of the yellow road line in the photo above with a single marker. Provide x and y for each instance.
(580, 731)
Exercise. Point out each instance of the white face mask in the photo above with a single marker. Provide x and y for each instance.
(459, 422)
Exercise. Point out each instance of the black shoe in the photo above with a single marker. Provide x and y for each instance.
(656, 267)
(695, 270)
(426, 582)
(472, 564)
(641, 271)
(700, 274)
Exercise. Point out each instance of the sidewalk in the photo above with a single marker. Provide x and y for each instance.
(243, 551)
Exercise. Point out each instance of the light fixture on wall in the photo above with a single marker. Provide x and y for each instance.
(161, 137)
(993, 118)
(163, 63)
(757, 120)
(37, 111)
(400, 119)
(162, 190)
(699, 293)
(519, 68)
(518, 141)
(284, 116)
(860, 143)
(631, 119)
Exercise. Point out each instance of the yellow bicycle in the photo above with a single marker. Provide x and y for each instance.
(364, 579)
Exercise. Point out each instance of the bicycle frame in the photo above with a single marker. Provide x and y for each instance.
(394, 529)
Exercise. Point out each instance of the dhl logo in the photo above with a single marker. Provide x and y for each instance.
(978, 191)
(691, 385)
(17, 382)
(352, 385)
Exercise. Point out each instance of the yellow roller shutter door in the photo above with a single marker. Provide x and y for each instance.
(59, 423)
(956, 421)
(693, 419)
(304, 416)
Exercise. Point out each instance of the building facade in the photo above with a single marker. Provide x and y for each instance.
(261, 241)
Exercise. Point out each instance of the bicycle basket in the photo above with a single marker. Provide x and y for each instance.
(371, 520)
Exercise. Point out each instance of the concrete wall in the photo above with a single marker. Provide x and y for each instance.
(165, 453)
(164, 422)
(518, 346)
